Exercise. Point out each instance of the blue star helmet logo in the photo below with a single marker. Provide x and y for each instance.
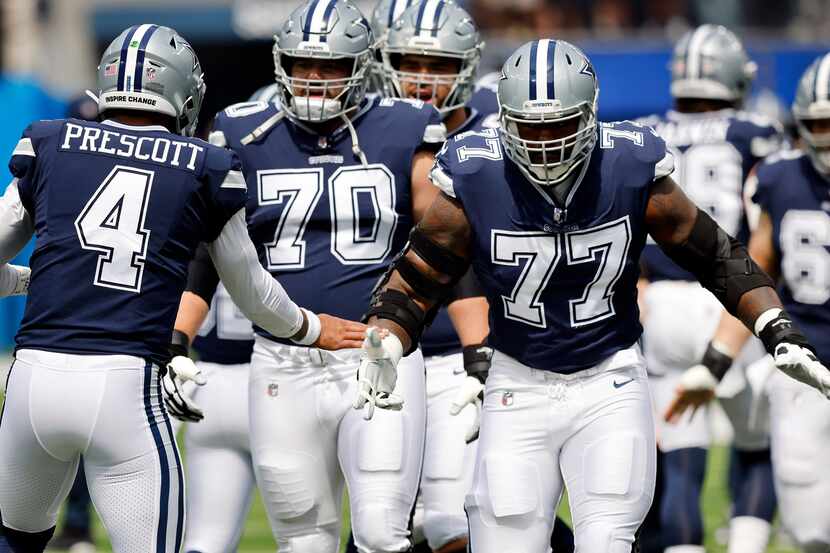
(588, 69)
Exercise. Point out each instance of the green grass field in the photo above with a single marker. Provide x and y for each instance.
(257, 537)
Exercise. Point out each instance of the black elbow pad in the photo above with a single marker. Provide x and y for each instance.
(720, 262)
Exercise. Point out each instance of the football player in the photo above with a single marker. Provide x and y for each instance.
(552, 211)
(118, 208)
(336, 182)
(791, 242)
(714, 145)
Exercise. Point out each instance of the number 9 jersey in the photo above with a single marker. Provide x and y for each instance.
(323, 223)
(560, 280)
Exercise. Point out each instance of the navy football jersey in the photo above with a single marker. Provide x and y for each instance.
(714, 152)
(797, 199)
(562, 290)
(226, 336)
(118, 212)
(324, 224)
(441, 338)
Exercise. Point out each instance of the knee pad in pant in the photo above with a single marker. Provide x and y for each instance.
(752, 485)
(441, 528)
(511, 487)
(318, 540)
(283, 481)
(683, 473)
(14, 541)
(603, 538)
(376, 530)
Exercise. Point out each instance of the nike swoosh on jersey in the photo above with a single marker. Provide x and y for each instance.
(621, 384)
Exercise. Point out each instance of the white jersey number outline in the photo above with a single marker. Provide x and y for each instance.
(606, 244)
(805, 261)
(113, 223)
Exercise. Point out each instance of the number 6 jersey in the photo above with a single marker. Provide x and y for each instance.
(321, 221)
(118, 212)
(561, 282)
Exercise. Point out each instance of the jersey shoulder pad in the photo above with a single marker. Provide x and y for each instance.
(25, 152)
(762, 134)
(268, 94)
(466, 154)
(773, 171)
(234, 124)
(636, 153)
(414, 114)
(485, 100)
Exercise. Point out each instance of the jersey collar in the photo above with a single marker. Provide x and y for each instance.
(116, 124)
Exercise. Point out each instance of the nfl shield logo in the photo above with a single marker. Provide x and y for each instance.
(151, 73)
(273, 389)
(507, 399)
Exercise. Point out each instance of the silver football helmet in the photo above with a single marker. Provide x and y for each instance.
(323, 29)
(812, 102)
(547, 82)
(433, 28)
(711, 63)
(152, 68)
(386, 12)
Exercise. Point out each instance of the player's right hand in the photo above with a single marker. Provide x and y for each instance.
(179, 372)
(378, 372)
(337, 333)
(695, 389)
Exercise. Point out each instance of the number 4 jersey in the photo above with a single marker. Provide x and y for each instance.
(118, 212)
(321, 221)
(714, 152)
(561, 285)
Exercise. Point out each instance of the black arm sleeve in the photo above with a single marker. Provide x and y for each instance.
(202, 278)
(719, 262)
(467, 287)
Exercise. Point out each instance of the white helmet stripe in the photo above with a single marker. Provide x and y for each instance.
(427, 20)
(319, 21)
(693, 54)
(823, 80)
(398, 7)
(132, 56)
(542, 70)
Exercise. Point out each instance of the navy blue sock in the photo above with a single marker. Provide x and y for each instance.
(562, 539)
(680, 518)
(12, 541)
(649, 538)
(751, 484)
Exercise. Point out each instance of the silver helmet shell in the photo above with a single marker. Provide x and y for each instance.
(152, 68)
(710, 63)
(323, 29)
(437, 28)
(384, 15)
(544, 82)
(812, 102)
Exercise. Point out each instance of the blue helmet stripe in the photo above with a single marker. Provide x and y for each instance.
(533, 52)
(551, 66)
(309, 15)
(419, 23)
(393, 8)
(437, 19)
(139, 66)
(326, 16)
(122, 60)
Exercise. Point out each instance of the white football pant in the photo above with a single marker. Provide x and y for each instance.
(680, 320)
(306, 439)
(107, 408)
(219, 470)
(591, 432)
(448, 460)
(800, 428)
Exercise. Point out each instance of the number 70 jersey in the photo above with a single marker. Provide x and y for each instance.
(562, 289)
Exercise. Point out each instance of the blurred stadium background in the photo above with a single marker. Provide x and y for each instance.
(49, 50)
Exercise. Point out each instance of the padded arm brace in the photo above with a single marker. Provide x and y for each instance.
(202, 278)
(258, 295)
(719, 262)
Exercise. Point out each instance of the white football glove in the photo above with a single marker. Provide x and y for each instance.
(378, 372)
(801, 364)
(468, 398)
(698, 379)
(180, 375)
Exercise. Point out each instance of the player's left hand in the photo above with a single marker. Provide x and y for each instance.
(180, 371)
(337, 333)
(801, 364)
(696, 389)
(378, 372)
(469, 397)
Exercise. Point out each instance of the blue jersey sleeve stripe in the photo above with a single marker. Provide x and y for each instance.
(142, 49)
(122, 60)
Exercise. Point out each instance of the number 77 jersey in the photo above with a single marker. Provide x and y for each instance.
(560, 279)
